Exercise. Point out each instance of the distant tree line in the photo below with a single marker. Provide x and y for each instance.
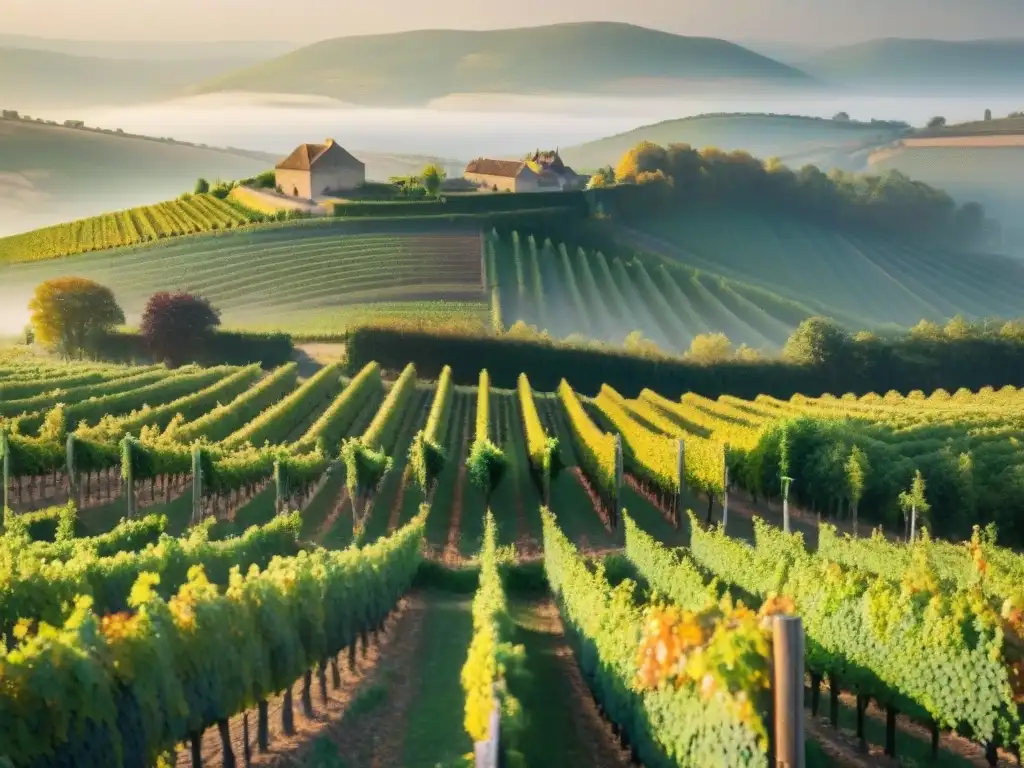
(653, 180)
(839, 117)
(820, 357)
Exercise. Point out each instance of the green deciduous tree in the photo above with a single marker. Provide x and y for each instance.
(70, 314)
(431, 178)
(710, 348)
(636, 342)
(748, 354)
(927, 330)
(958, 328)
(603, 177)
(817, 341)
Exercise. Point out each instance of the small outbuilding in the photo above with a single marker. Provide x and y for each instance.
(314, 170)
(538, 172)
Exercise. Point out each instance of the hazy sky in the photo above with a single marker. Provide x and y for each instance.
(806, 21)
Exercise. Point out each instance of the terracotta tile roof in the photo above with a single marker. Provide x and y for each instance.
(305, 155)
(487, 167)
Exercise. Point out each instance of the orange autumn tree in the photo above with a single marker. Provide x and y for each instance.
(645, 157)
(69, 314)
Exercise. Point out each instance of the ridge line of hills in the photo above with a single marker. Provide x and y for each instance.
(403, 68)
(420, 66)
(591, 57)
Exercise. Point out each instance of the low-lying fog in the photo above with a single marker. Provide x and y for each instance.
(463, 127)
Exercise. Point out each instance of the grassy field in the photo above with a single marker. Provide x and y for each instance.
(795, 140)
(293, 278)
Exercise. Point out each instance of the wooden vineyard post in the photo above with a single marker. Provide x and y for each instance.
(74, 482)
(5, 451)
(788, 691)
(483, 262)
(487, 753)
(546, 490)
(725, 486)
(197, 485)
(616, 511)
(128, 474)
(786, 482)
(681, 479)
(278, 488)
(913, 522)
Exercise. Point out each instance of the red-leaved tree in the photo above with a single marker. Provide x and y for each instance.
(177, 326)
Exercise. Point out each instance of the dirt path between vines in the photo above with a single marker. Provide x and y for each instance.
(949, 742)
(452, 548)
(332, 517)
(565, 725)
(595, 500)
(400, 629)
(372, 733)
(395, 517)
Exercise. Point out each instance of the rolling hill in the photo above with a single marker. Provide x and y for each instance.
(981, 160)
(50, 173)
(752, 277)
(1012, 125)
(985, 169)
(239, 51)
(860, 280)
(897, 64)
(796, 140)
(592, 58)
(302, 277)
(33, 79)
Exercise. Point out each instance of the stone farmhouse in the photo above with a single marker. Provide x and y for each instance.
(539, 172)
(313, 170)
